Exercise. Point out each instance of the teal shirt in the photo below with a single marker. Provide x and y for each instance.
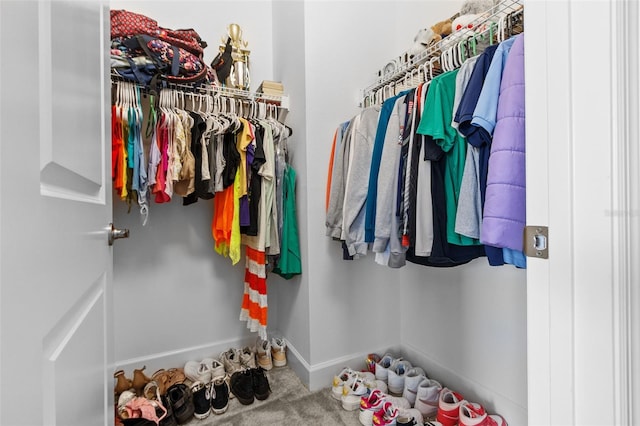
(436, 122)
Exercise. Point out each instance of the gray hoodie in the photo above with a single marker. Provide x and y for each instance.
(388, 179)
(358, 183)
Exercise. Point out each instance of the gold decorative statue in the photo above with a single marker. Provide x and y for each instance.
(239, 76)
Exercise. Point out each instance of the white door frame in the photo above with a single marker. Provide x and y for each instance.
(582, 182)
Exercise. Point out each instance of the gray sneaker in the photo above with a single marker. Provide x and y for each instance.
(248, 358)
(231, 361)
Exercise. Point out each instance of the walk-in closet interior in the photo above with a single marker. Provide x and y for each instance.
(465, 325)
(556, 342)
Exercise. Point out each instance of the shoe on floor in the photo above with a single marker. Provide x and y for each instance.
(346, 377)
(395, 376)
(472, 414)
(231, 361)
(201, 400)
(247, 358)
(409, 417)
(382, 367)
(216, 368)
(387, 415)
(242, 386)
(352, 393)
(369, 405)
(261, 388)
(197, 371)
(371, 361)
(412, 379)
(263, 354)
(219, 395)
(279, 351)
(181, 401)
(427, 396)
(449, 407)
(169, 419)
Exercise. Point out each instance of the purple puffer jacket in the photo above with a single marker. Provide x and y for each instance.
(504, 215)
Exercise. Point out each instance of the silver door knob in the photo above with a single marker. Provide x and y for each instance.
(115, 234)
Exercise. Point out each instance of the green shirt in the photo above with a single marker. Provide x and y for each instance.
(289, 263)
(436, 122)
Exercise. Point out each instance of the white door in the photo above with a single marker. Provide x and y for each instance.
(582, 182)
(55, 206)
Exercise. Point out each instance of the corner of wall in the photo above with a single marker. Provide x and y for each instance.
(292, 296)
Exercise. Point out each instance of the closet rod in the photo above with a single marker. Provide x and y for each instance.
(492, 19)
(282, 100)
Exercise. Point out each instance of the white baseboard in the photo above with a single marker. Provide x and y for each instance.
(178, 358)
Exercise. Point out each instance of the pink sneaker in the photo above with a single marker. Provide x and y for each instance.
(386, 416)
(369, 405)
(449, 407)
(472, 414)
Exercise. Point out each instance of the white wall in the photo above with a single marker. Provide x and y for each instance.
(467, 327)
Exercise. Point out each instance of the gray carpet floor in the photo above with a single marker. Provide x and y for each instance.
(290, 403)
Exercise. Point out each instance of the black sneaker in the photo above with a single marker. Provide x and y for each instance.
(219, 396)
(201, 400)
(242, 386)
(168, 420)
(181, 401)
(261, 387)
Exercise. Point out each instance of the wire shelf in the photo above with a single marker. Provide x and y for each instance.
(506, 17)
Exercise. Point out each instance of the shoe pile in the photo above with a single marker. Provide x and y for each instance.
(393, 392)
(172, 397)
(162, 400)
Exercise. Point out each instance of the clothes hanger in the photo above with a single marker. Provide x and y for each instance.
(432, 61)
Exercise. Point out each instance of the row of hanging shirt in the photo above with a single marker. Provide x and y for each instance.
(436, 174)
(192, 145)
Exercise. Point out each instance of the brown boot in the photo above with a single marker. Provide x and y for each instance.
(122, 383)
(139, 380)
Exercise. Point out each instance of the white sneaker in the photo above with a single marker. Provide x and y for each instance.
(399, 402)
(427, 397)
(409, 416)
(382, 367)
(395, 376)
(346, 377)
(279, 351)
(216, 368)
(247, 358)
(381, 385)
(339, 380)
(197, 371)
(352, 394)
(412, 379)
(231, 361)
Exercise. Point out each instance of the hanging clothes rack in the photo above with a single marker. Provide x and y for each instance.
(493, 26)
(280, 101)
